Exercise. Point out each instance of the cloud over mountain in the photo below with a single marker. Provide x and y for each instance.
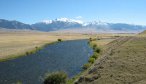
(64, 20)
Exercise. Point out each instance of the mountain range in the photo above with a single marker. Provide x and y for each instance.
(65, 24)
(14, 24)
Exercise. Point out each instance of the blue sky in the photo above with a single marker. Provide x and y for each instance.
(116, 11)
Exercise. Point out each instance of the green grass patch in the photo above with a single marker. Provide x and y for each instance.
(95, 55)
(86, 66)
(91, 60)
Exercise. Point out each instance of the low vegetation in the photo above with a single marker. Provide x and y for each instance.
(59, 40)
(86, 66)
(91, 60)
(56, 78)
(95, 55)
(94, 46)
(96, 51)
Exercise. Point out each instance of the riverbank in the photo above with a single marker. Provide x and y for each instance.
(32, 51)
(73, 80)
(97, 45)
(14, 44)
(123, 62)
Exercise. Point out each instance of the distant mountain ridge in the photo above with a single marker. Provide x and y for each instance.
(55, 25)
(14, 24)
(69, 24)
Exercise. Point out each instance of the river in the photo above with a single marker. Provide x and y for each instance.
(67, 56)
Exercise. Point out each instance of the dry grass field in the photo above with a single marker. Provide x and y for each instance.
(101, 40)
(15, 43)
(123, 62)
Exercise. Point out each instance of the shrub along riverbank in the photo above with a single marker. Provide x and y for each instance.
(96, 53)
(56, 78)
(91, 60)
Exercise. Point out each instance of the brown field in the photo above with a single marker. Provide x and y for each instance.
(122, 62)
(16, 43)
(13, 44)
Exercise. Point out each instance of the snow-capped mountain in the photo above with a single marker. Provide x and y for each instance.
(73, 25)
(69, 20)
(63, 20)
(57, 24)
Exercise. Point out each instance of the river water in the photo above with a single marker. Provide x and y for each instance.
(67, 56)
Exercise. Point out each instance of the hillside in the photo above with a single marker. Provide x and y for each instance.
(122, 63)
(143, 33)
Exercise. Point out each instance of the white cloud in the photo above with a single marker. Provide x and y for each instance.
(47, 21)
(78, 21)
(63, 19)
(69, 20)
(79, 17)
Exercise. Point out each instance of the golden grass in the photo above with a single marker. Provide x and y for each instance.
(15, 43)
(103, 39)
(103, 42)
(122, 63)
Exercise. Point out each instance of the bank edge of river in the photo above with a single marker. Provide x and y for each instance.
(76, 78)
(32, 51)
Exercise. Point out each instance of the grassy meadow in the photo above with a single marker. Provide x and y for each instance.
(17, 43)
